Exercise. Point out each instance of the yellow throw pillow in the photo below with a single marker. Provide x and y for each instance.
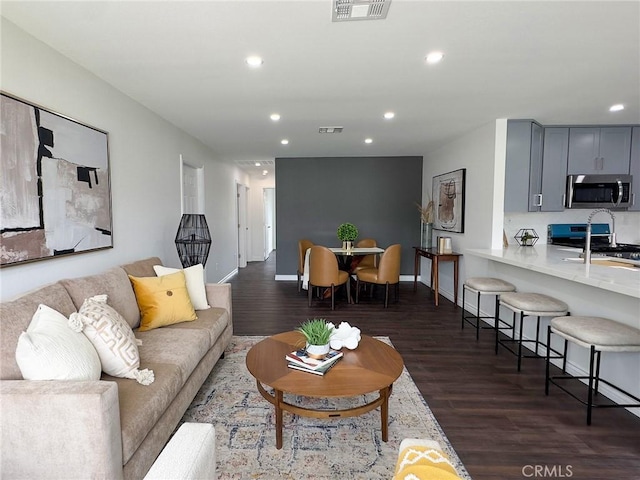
(162, 300)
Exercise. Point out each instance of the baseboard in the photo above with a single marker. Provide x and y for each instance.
(229, 276)
(571, 369)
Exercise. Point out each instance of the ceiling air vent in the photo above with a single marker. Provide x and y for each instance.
(350, 10)
(330, 129)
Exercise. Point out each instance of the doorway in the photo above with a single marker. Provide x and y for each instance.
(269, 205)
(243, 228)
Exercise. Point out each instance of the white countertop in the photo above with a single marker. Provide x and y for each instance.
(552, 260)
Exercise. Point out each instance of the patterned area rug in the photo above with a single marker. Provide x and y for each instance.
(344, 448)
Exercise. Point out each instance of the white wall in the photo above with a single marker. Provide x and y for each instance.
(474, 151)
(144, 152)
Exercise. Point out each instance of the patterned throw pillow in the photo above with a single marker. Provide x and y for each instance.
(162, 300)
(112, 338)
(50, 350)
(194, 276)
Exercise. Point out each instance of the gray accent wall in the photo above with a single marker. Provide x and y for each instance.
(377, 194)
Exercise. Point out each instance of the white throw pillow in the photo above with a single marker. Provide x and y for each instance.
(194, 276)
(112, 338)
(50, 350)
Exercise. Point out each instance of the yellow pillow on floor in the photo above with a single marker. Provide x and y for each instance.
(162, 300)
(420, 462)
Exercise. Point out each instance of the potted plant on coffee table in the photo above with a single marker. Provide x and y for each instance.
(347, 232)
(317, 332)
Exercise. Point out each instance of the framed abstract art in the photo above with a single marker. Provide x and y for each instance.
(55, 194)
(448, 197)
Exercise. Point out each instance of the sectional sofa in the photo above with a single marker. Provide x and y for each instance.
(113, 427)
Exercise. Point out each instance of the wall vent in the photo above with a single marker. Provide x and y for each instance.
(330, 129)
(351, 10)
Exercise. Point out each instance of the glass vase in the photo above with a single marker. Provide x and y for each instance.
(427, 235)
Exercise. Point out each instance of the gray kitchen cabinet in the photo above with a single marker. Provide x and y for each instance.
(634, 169)
(554, 168)
(599, 150)
(523, 169)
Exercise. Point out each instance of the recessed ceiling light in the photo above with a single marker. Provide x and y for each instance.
(275, 117)
(254, 61)
(264, 172)
(434, 57)
(284, 141)
(616, 108)
(389, 115)
(258, 164)
(368, 140)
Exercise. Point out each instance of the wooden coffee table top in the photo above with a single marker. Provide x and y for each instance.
(370, 367)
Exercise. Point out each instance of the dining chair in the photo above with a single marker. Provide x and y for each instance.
(303, 245)
(368, 261)
(387, 273)
(324, 272)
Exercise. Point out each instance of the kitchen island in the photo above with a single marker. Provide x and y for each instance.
(594, 290)
(564, 262)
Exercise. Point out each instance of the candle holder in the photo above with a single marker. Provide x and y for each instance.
(526, 237)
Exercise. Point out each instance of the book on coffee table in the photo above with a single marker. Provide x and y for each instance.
(317, 371)
(301, 359)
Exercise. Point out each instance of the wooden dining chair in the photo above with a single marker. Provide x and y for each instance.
(303, 245)
(324, 272)
(387, 273)
(368, 261)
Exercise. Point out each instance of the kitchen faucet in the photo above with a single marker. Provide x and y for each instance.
(612, 235)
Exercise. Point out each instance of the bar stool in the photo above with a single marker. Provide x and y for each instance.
(483, 286)
(598, 335)
(527, 305)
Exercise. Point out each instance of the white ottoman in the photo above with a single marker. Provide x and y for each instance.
(598, 335)
(189, 455)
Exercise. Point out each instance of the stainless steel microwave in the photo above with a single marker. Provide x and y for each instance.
(599, 191)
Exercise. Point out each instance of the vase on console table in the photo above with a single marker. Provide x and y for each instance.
(427, 235)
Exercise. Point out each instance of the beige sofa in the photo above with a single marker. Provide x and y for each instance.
(111, 428)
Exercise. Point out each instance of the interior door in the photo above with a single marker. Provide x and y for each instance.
(243, 228)
(269, 220)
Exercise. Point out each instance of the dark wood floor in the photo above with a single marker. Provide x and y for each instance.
(499, 421)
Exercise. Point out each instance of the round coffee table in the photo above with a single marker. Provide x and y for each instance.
(373, 366)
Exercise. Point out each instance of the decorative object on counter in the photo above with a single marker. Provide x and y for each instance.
(347, 232)
(345, 336)
(526, 237)
(444, 245)
(193, 240)
(426, 216)
(317, 332)
(448, 201)
(56, 193)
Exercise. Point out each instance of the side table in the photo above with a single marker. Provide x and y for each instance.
(435, 257)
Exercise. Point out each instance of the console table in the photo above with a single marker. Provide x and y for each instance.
(435, 257)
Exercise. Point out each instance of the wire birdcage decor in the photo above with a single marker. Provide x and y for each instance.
(193, 240)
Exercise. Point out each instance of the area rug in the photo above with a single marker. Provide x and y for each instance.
(342, 448)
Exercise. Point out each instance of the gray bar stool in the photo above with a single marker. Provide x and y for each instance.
(528, 305)
(598, 335)
(483, 286)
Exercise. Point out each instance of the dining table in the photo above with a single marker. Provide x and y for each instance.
(343, 254)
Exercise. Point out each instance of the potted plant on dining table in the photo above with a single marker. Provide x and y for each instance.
(347, 233)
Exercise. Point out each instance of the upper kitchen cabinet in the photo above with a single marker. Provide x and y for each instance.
(523, 169)
(634, 169)
(604, 150)
(554, 168)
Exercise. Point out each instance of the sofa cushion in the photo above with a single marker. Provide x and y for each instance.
(162, 300)
(112, 338)
(142, 268)
(142, 406)
(194, 276)
(181, 347)
(16, 317)
(213, 321)
(115, 284)
(51, 350)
